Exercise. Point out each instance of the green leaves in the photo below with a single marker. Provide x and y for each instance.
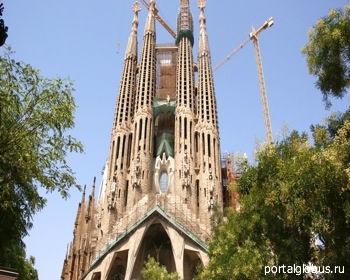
(328, 53)
(153, 270)
(36, 115)
(296, 192)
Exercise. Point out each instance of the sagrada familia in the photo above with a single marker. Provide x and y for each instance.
(164, 178)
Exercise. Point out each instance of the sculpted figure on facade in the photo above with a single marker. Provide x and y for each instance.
(137, 172)
(186, 171)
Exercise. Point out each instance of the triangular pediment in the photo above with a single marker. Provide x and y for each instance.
(154, 215)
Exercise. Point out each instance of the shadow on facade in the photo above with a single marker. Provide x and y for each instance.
(156, 244)
(118, 268)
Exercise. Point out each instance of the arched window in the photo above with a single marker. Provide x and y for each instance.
(163, 182)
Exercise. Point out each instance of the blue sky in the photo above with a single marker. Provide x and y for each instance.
(85, 41)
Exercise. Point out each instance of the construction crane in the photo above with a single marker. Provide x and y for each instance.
(232, 53)
(160, 20)
(253, 36)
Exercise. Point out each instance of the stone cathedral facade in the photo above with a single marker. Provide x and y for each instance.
(163, 179)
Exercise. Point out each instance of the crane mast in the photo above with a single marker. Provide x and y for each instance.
(253, 36)
(263, 90)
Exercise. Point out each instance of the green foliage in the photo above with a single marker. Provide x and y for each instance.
(14, 256)
(35, 115)
(336, 121)
(216, 219)
(296, 192)
(154, 271)
(328, 53)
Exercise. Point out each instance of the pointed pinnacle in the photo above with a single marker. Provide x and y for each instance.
(201, 4)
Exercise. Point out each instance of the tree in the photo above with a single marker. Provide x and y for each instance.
(154, 271)
(328, 53)
(35, 117)
(15, 257)
(3, 27)
(295, 195)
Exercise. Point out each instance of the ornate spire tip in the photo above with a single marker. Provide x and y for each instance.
(201, 4)
(136, 7)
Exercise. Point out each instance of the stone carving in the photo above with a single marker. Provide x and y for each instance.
(112, 193)
(164, 165)
(186, 171)
(211, 191)
(137, 171)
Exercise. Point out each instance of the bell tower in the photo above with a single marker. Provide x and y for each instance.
(162, 179)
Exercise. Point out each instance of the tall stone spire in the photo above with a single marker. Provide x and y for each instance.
(207, 111)
(185, 105)
(150, 21)
(142, 148)
(132, 42)
(184, 22)
(121, 139)
(124, 106)
(207, 133)
(203, 37)
(79, 253)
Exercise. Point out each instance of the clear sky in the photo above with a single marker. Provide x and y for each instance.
(85, 40)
